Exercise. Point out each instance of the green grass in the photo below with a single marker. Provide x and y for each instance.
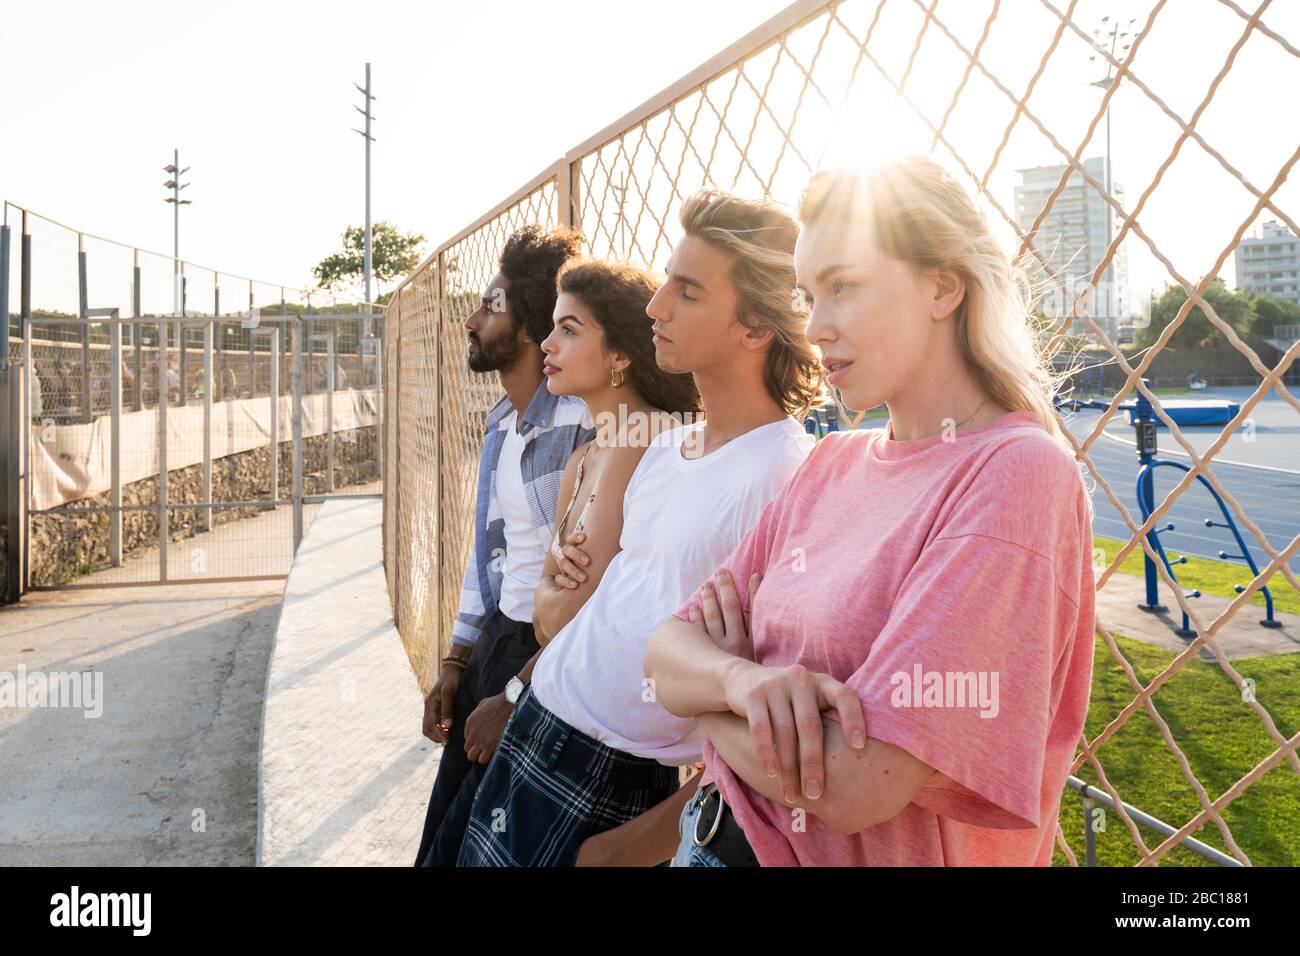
(1209, 576)
(1222, 738)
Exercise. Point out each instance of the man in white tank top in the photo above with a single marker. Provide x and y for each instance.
(589, 749)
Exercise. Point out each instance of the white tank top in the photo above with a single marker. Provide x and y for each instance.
(681, 519)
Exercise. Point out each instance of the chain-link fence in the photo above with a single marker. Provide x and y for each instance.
(169, 422)
(1197, 732)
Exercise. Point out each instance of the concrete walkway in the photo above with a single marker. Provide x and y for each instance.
(345, 773)
(1240, 636)
(166, 773)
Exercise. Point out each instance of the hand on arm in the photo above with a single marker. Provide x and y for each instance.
(551, 600)
(569, 580)
(694, 675)
(687, 668)
(722, 616)
(774, 735)
(563, 588)
(864, 786)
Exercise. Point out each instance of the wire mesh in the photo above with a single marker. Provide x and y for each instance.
(1016, 99)
(97, 500)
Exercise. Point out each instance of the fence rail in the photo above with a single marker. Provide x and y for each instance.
(167, 422)
(979, 82)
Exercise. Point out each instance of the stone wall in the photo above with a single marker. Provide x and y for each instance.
(63, 547)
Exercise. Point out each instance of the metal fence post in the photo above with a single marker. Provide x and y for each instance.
(219, 357)
(329, 409)
(396, 490)
(182, 341)
(284, 342)
(15, 463)
(310, 339)
(162, 452)
(252, 356)
(219, 332)
(297, 434)
(10, 425)
(138, 401)
(10, 380)
(275, 414)
(115, 449)
(4, 314)
(439, 346)
(82, 310)
(209, 330)
(379, 402)
(1089, 836)
(4, 297)
(565, 192)
(25, 404)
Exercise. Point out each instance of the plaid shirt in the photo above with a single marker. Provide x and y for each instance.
(552, 427)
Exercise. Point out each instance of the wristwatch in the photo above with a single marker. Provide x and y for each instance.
(514, 687)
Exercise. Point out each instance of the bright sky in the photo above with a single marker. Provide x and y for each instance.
(472, 100)
(476, 98)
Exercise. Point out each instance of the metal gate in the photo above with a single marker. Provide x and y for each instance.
(179, 449)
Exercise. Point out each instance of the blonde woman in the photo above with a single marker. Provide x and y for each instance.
(893, 666)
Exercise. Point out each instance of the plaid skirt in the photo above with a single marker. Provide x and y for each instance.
(548, 787)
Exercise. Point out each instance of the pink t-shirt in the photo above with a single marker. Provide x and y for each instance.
(950, 584)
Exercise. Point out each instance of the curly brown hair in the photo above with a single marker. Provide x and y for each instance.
(617, 294)
(530, 260)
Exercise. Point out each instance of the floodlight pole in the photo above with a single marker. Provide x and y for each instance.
(369, 139)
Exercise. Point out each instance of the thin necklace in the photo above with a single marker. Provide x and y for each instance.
(971, 415)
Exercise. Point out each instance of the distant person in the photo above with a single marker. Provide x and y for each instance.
(38, 399)
(63, 389)
(152, 375)
(128, 378)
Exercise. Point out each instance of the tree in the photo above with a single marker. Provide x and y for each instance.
(1271, 312)
(1236, 308)
(393, 254)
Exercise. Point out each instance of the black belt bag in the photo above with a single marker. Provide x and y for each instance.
(717, 829)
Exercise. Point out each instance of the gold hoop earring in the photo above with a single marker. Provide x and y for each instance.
(621, 377)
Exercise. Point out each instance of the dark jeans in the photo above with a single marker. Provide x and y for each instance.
(504, 647)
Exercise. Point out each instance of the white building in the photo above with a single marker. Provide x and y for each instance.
(1269, 264)
(1073, 238)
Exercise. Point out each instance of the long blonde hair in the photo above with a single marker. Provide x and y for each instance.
(920, 214)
